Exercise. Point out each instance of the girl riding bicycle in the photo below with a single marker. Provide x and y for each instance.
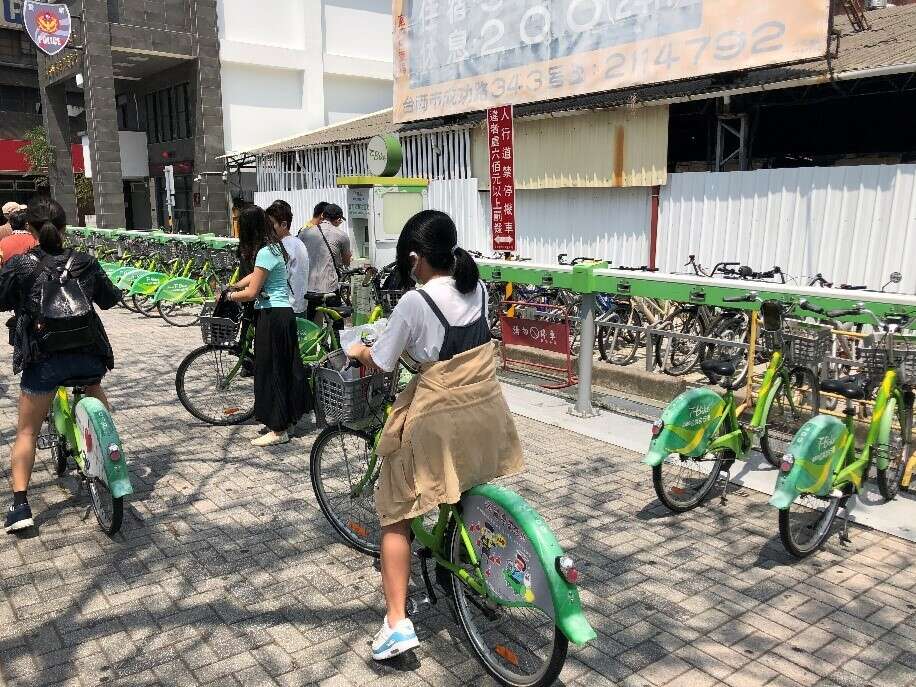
(86, 355)
(451, 429)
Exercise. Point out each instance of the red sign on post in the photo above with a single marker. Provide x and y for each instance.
(501, 136)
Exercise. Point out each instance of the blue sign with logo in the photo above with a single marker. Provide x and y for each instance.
(12, 14)
(48, 25)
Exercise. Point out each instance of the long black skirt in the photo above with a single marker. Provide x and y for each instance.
(281, 390)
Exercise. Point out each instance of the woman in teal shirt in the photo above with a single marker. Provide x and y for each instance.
(281, 394)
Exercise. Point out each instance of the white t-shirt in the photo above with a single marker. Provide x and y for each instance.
(298, 268)
(414, 327)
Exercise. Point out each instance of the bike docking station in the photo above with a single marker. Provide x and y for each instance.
(590, 279)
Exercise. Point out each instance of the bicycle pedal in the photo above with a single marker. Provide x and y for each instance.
(416, 606)
(45, 441)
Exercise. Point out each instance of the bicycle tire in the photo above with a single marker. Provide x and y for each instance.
(619, 346)
(898, 450)
(779, 430)
(696, 485)
(498, 660)
(354, 532)
(232, 412)
(128, 303)
(789, 525)
(680, 361)
(145, 305)
(110, 523)
(731, 329)
(170, 313)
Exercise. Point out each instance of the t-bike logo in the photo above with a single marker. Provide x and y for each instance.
(699, 416)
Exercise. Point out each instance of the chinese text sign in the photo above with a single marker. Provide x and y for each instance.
(455, 56)
(501, 146)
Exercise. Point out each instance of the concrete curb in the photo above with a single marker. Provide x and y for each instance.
(631, 379)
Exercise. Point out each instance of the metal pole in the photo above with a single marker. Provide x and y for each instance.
(583, 407)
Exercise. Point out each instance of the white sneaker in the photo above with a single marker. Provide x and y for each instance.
(390, 642)
(271, 439)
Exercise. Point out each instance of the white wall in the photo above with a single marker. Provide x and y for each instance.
(854, 225)
(291, 66)
(134, 155)
(359, 28)
(261, 101)
(347, 97)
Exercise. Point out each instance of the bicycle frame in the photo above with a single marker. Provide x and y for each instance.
(693, 419)
(824, 451)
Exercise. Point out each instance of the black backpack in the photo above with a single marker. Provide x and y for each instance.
(65, 319)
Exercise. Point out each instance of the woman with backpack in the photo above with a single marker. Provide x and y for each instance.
(51, 346)
(281, 394)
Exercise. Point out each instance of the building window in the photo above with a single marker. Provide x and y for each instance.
(168, 115)
(19, 99)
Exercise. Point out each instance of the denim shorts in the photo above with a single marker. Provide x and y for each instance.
(45, 376)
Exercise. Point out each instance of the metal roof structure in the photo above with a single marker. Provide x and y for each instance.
(887, 47)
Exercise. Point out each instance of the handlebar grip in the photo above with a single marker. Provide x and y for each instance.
(850, 287)
(811, 307)
(843, 312)
(737, 299)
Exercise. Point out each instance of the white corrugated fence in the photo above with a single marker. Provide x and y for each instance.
(854, 225)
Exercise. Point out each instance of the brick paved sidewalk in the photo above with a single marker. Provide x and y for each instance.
(225, 572)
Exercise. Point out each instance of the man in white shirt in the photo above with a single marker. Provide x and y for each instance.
(281, 215)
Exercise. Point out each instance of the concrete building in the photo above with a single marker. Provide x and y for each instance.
(290, 66)
(178, 83)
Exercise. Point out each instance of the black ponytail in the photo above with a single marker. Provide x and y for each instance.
(433, 235)
(467, 275)
(49, 221)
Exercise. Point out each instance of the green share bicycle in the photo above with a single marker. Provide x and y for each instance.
(699, 437)
(512, 587)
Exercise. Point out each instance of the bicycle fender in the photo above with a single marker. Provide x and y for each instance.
(690, 422)
(99, 437)
(518, 554)
(818, 449)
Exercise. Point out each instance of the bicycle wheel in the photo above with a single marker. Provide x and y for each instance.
(216, 385)
(898, 450)
(795, 401)
(185, 314)
(341, 464)
(128, 303)
(145, 305)
(109, 511)
(518, 646)
(730, 330)
(681, 483)
(682, 354)
(619, 346)
(806, 524)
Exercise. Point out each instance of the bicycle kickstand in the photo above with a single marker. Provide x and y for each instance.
(844, 532)
(728, 477)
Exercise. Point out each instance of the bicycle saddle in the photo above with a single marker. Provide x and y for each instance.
(719, 368)
(847, 387)
(81, 382)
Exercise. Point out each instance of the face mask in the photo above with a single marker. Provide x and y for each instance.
(413, 268)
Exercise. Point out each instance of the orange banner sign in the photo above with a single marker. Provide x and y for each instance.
(455, 56)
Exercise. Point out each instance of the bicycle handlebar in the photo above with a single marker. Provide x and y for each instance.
(845, 312)
(748, 298)
(811, 307)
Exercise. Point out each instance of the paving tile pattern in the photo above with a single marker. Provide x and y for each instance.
(225, 572)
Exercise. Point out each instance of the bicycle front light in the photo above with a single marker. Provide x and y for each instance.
(657, 428)
(567, 568)
(788, 461)
(114, 453)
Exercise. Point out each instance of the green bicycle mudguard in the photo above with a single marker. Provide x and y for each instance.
(818, 449)
(110, 267)
(100, 442)
(116, 275)
(178, 290)
(518, 555)
(690, 422)
(128, 278)
(147, 284)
